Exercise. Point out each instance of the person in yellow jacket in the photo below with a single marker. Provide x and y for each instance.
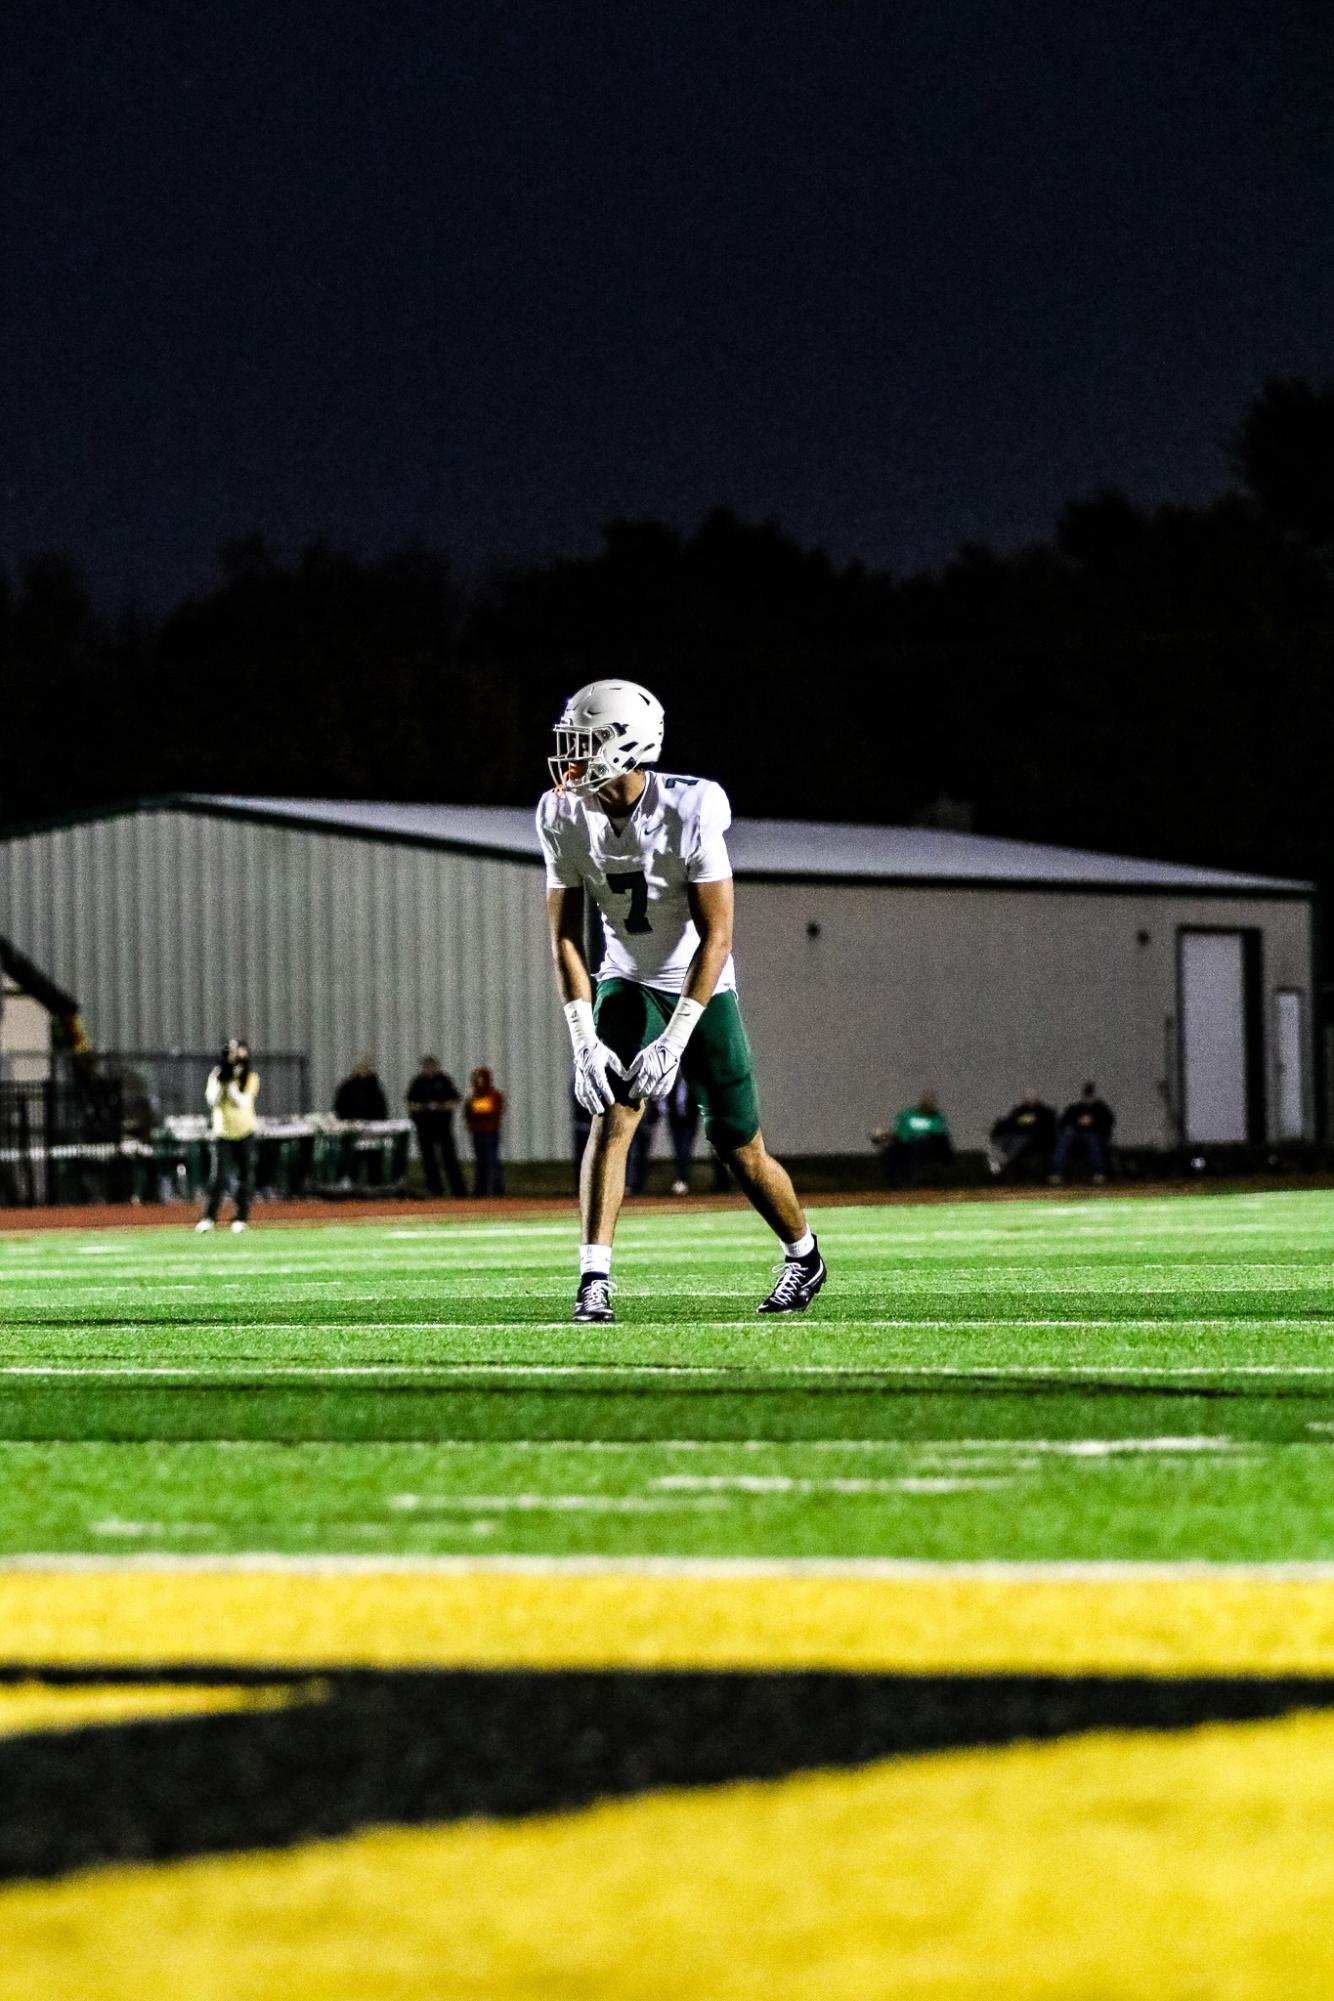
(231, 1091)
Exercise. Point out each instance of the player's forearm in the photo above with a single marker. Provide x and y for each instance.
(706, 968)
(565, 915)
(705, 971)
(711, 909)
(572, 980)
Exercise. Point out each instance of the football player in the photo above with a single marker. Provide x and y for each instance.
(650, 850)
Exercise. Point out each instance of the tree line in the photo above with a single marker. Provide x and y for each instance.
(1154, 680)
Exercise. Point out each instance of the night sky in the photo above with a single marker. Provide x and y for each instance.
(488, 275)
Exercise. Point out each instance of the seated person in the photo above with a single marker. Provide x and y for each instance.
(919, 1137)
(1085, 1128)
(1027, 1132)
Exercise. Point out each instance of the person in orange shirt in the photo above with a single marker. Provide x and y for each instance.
(483, 1113)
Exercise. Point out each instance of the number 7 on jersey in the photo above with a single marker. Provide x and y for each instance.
(634, 885)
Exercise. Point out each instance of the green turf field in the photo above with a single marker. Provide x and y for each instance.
(1055, 1380)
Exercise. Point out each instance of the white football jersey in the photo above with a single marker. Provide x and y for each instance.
(637, 871)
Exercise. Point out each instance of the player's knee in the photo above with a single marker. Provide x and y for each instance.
(748, 1158)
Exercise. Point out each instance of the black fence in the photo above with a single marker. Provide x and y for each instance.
(60, 1141)
(83, 1134)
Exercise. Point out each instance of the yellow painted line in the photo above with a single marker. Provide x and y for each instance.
(1177, 1867)
(926, 1623)
(29, 1706)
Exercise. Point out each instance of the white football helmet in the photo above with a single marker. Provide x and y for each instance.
(608, 728)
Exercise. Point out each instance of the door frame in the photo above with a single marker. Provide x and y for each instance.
(1302, 998)
(1254, 1082)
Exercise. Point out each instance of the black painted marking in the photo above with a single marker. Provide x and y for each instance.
(410, 1748)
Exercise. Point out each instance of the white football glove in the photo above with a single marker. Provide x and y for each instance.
(653, 1071)
(594, 1067)
(594, 1063)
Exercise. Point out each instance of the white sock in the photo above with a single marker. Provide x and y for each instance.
(801, 1249)
(595, 1260)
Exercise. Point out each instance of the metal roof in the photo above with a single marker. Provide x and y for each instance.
(794, 850)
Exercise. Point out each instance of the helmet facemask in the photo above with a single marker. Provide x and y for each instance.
(592, 750)
(608, 729)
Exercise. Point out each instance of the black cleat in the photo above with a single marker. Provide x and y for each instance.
(798, 1281)
(592, 1302)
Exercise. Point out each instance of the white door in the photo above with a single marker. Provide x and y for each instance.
(1289, 1049)
(1213, 1038)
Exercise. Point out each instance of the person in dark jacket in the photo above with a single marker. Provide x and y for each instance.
(361, 1096)
(358, 1100)
(433, 1099)
(483, 1114)
(683, 1123)
(1026, 1133)
(581, 1127)
(641, 1150)
(1085, 1127)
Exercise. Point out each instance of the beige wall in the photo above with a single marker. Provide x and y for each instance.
(975, 993)
(25, 1037)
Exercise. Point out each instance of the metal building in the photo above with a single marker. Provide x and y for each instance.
(873, 962)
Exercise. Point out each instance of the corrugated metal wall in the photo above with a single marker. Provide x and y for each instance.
(175, 928)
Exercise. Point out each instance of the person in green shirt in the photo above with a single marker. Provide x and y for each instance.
(919, 1137)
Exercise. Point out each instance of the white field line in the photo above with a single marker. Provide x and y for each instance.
(1075, 1448)
(933, 1450)
(782, 1483)
(560, 1504)
(244, 1372)
(1021, 1237)
(906, 1569)
(447, 1232)
(113, 1525)
(987, 1324)
(889, 1241)
(910, 1282)
(246, 1255)
(927, 1448)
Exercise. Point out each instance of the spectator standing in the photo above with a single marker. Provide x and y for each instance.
(641, 1149)
(1027, 1132)
(683, 1124)
(1086, 1127)
(230, 1094)
(433, 1099)
(360, 1100)
(919, 1137)
(360, 1097)
(581, 1125)
(483, 1114)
